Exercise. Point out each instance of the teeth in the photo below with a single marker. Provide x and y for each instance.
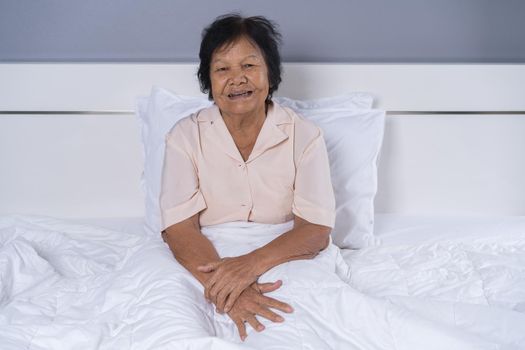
(239, 94)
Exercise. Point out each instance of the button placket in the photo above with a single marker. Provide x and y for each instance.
(247, 203)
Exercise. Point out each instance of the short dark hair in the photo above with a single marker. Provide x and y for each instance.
(228, 28)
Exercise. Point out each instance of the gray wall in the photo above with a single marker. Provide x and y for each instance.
(325, 31)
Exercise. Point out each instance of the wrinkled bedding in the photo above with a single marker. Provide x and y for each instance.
(67, 285)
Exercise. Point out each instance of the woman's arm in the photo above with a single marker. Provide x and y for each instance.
(190, 247)
(232, 275)
(304, 241)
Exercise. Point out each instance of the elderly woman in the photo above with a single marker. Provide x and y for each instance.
(247, 209)
(244, 159)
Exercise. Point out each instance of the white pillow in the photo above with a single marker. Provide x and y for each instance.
(157, 115)
(353, 139)
(353, 133)
(348, 101)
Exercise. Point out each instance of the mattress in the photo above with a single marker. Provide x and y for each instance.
(434, 283)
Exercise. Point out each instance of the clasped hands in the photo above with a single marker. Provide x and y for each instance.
(233, 288)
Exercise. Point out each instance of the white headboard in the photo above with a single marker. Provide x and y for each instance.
(454, 142)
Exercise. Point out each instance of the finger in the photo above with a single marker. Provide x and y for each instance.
(208, 286)
(232, 298)
(222, 289)
(215, 290)
(269, 314)
(276, 304)
(255, 286)
(221, 301)
(241, 327)
(207, 293)
(269, 287)
(255, 323)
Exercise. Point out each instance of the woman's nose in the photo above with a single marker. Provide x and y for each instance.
(238, 76)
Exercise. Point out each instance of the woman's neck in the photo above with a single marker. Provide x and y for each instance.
(244, 123)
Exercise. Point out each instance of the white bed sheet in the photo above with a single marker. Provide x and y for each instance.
(457, 261)
(406, 229)
(102, 284)
(465, 257)
(456, 252)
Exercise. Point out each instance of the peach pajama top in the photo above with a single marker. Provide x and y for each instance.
(286, 174)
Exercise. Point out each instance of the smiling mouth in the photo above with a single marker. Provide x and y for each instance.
(240, 94)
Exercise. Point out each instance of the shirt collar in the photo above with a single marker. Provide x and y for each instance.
(270, 135)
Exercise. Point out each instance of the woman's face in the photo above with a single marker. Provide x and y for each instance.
(239, 78)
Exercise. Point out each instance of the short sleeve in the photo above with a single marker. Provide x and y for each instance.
(180, 196)
(313, 193)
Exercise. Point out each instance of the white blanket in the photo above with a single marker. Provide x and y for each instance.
(70, 286)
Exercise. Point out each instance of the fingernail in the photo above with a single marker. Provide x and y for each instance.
(279, 319)
(289, 309)
(243, 337)
(260, 328)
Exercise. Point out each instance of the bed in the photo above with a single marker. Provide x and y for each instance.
(78, 269)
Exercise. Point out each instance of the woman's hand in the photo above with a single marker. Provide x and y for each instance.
(230, 277)
(252, 302)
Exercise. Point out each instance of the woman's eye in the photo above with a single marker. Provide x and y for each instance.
(248, 65)
(220, 69)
